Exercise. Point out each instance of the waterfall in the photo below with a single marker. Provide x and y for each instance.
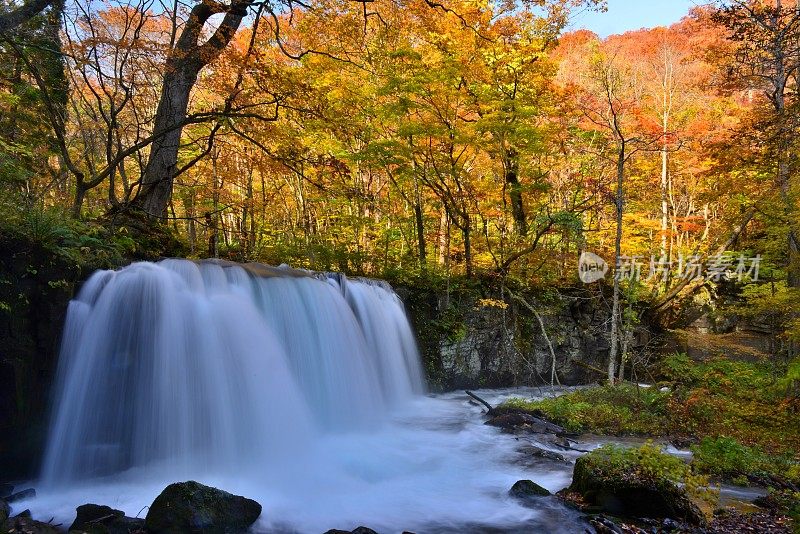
(221, 365)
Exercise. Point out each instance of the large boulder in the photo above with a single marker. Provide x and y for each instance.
(98, 519)
(621, 489)
(193, 507)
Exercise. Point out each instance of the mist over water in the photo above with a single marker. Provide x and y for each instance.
(302, 391)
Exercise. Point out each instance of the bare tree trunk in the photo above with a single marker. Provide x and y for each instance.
(191, 226)
(444, 239)
(664, 198)
(627, 337)
(467, 233)
(515, 191)
(77, 202)
(183, 65)
(420, 223)
(616, 305)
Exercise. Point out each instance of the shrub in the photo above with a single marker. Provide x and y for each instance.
(725, 457)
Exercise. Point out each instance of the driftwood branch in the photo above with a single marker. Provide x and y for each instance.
(477, 398)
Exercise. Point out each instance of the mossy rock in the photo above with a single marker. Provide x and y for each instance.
(193, 507)
(621, 490)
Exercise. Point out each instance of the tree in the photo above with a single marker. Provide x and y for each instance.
(184, 63)
(611, 103)
(20, 15)
(767, 39)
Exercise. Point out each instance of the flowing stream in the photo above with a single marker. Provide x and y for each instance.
(302, 391)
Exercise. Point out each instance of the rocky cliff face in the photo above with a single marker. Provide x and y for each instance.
(35, 289)
(474, 339)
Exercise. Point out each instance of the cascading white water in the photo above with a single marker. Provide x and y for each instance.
(297, 389)
(213, 364)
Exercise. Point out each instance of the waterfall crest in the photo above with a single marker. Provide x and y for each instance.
(185, 362)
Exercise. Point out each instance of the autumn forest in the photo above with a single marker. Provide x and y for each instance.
(450, 147)
(377, 136)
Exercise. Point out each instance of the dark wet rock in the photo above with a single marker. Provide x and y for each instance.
(6, 490)
(511, 410)
(626, 494)
(670, 525)
(5, 511)
(539, 452)
(193, 507)
(23, 524)
(604, 525)
(98, 519)
(526, 422)
(29, 493)
(357, 530)
(23, 514)
(683, 442)
(88, 514)
(526, 489)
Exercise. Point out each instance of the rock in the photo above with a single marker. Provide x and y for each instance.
(23, 524)
(193, 507)
(29, 493)
(88, 514)
(97, 519)
(5, 511)
(357, 530)
(604, 525)
(525, 489)
(6, 490)
(539, 452)
(670, 525)
(524, 421)
(625, 494)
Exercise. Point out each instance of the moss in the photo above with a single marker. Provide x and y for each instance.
(726, 458)
(622, 410)
(642, 481)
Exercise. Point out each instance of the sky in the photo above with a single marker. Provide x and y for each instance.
(625, 15)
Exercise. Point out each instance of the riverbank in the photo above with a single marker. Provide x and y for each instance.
(435, 467)
(736, 421)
